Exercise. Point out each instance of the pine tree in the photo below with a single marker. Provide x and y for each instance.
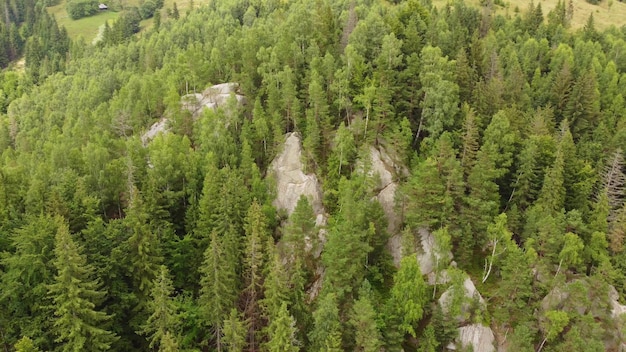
(428, 342)
(168, 343)
(25, 344)
(347, 246)
(326, 333)
(235, 332)
(255, 260)
(218, 288)
(363, 319)
(441, 93)
(143, 247)
(163, 322)
(300, 230)
(552, 196)
(583, 108)
(77, 324)
(282, 332)
(470, 139)
(435, 190)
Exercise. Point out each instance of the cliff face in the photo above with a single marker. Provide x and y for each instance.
(291, 180)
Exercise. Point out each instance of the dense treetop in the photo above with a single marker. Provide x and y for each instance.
(510, 129)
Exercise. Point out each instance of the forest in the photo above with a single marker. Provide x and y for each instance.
(464, 176)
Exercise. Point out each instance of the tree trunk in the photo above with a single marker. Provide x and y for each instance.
(493, 254)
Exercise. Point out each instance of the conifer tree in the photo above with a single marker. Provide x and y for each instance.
(143, 247)
(25, 344)
(218, 288)
(75, 294)
(408, 296)
(163, 322)
(168, 343)
(282, 332)
(326, 333)
(552, 196)
(470, 139)
(363, 319)
(428, 342)
(255, 261)
(235, 332)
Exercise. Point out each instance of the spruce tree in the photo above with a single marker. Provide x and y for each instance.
(408, 296)
(363, 319)
(218, 288)
(235, 332)
(163, 322)
(326, 333)
(25, 344)
(143, 246)
(255, 261)
(75, 295)
(282, 332)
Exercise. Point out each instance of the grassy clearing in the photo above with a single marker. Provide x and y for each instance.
(88, 27)
(604, 15)
(85, 27)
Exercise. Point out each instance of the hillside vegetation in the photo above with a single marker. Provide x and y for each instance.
(346, 175)
(606, 13)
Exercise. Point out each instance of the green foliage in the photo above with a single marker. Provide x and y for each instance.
(282, 329)
(326, 333)
(77, 9)
(234, 332)
(77, 325)
(218, 288)
(408, 296)
(163, 323)
(363, 319)
(478, 114)
(25, 344)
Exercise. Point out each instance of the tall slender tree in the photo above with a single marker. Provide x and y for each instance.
(77, 323)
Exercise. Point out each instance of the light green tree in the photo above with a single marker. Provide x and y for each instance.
(163, 323)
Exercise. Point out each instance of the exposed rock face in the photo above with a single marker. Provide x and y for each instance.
(479, 337)
(212, 98)
(617, 309)
(156, 128)
(385, 168)
(292, 182)
(428, 258)
(470, 293)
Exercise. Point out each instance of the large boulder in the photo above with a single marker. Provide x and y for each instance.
(479, 337)
(212, 98)
(464, 294)
(429, 258)
(160, 126)
(291, 181)
(385, 169)
(617, 309)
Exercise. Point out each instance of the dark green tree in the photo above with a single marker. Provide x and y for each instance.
(78, 325)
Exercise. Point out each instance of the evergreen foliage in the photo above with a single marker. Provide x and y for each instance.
(500, 139)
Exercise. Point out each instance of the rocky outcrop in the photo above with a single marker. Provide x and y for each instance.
(385, 169)
(479, 337)
(291, 181)
(617, 309)
(470, 296)
(429, 258)
(211, 98)
(160, 126)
